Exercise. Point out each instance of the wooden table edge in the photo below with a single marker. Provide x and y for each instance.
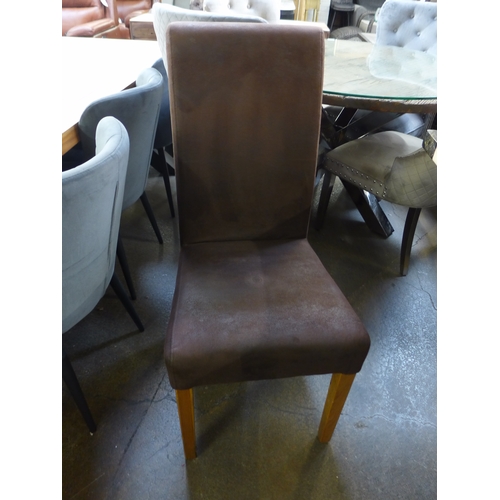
(380, 104)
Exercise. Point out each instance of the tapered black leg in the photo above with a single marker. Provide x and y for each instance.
(324, 198)
(159, 162)
(151, 216)
(408, 233)
(122, 259)
(76, 392)
(120, 292)
(369, 208)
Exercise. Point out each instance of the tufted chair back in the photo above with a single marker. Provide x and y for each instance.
(410, 24)
(267, 9)
(164, 14)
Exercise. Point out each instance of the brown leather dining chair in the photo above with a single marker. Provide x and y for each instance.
(252, 299)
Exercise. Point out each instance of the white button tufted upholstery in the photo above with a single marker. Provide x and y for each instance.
(410, 24)
(267, 9)
(164, 14)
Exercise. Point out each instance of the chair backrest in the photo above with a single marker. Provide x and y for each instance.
(246, 103)
(164, 14)
(409, 24)
(138, 109)
(163, 137)
(92, 196)
(269, 10)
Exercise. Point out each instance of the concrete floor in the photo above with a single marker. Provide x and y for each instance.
(258, 440)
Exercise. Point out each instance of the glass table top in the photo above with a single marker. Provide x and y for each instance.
(362, 69)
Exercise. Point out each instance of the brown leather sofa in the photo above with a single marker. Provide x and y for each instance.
(90, 18)
(131, 8)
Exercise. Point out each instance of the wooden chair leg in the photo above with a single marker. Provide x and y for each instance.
(335, 399)
(408, 233)
(185, 407)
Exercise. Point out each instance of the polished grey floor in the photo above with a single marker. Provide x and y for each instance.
(257, 440)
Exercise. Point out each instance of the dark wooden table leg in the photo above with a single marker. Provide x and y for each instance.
(370, 210)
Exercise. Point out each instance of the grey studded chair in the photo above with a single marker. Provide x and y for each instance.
(395, 167)
(92, 196)
(252, 300)
(138, 109)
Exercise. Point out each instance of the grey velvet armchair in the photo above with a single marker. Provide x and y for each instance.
(92, 196)
(252, 300)
(138, 109)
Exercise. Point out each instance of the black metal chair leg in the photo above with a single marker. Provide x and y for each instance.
(122, 259)
(119, 290)
(160, 164)
(408, 233)
(151, 217)
(324, 198)
(76, 392)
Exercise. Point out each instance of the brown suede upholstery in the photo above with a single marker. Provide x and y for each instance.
(252, 299)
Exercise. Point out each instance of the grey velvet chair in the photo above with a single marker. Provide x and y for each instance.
(92, 196)
(138, 109)
(252, 300)
(162, 160)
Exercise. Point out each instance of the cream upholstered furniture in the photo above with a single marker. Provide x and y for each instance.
(408, 24)
(90, 18)
(266, 9)
(92, 196)
(395, 167)
(252, 300)
(164, 14)
(138, 109)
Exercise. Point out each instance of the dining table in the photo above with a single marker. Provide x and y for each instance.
(378, 78)
(357, 75)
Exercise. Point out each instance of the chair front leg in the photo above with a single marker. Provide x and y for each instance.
(337, 394)
(185, 408)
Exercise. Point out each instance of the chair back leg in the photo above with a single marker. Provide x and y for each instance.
(122, 259)
(119, 290)
(151, 216)
(408, 233)
(340, 386)
(76, 392)
(159, 163)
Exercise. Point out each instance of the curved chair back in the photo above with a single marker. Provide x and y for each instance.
(164, 14)
(269, 10)
(409, 24)
(92, 196)
(163, 137)
(138, 109)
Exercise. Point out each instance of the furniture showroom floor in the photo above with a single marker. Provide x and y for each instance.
(257, 441)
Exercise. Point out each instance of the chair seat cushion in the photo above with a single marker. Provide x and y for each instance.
(246, 310)
(391, 165)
